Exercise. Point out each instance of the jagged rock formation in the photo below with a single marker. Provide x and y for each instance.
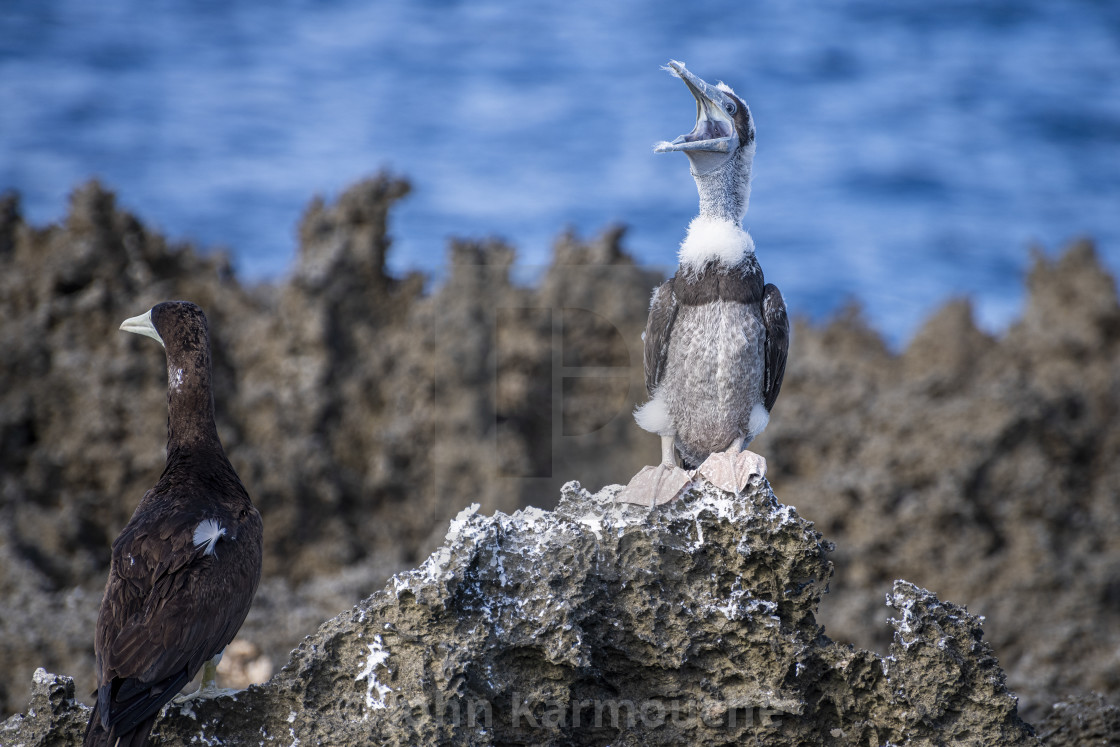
(362, 409)
(984, 468)
(606, 624)
(1083, 721)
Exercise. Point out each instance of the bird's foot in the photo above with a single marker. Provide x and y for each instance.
(731, 471)
(204, 692)
(208, 688)
(654, 486)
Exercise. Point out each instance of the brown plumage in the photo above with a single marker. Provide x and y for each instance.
(186, 566)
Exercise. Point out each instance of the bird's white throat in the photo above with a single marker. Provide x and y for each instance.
(716, 239)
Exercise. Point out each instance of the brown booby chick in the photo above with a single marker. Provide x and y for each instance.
(717, 335)
(185, 567)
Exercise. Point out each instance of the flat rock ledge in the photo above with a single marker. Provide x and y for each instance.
(602, 623)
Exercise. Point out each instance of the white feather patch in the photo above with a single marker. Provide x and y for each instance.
(208, 532)
(760, 418)
(653, 416)
(714, 238)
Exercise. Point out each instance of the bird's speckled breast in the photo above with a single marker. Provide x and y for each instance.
(714, 375)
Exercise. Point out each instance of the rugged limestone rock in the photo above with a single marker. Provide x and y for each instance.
(602, 623)
(1081, 722)
(982, 467)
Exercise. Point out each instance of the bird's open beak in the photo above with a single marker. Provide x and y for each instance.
(715, 129)
(142, 325)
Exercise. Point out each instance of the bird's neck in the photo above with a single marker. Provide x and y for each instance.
(725, 192)
(714, 240)
(190, 407)
(717, 235)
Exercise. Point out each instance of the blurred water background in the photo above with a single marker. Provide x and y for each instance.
(907, 152)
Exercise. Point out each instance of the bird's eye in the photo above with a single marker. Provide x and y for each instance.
(730, 107)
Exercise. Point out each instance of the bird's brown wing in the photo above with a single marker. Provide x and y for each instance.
(776, 321)
(168, 608)
(662, 314)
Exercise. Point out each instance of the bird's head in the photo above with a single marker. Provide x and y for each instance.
(180, 326)
(723, 127)
(174, 324)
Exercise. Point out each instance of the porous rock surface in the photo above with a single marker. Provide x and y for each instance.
(603, 623)
(979, 466)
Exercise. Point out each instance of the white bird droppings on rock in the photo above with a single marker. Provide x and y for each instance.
(378, 656)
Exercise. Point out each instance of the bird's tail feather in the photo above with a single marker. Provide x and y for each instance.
(98, 736)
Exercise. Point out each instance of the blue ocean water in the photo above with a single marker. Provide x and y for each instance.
(907, 152)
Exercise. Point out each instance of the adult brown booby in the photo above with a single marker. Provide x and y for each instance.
(717, 335)
(185, 567)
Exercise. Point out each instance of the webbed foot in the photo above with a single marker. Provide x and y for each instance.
(208, 688)
(655, 486)
(731, 471)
